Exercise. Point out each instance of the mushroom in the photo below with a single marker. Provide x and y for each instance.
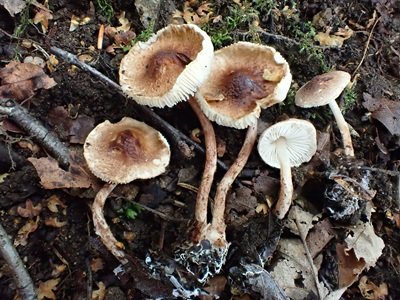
(120, 153)
(244, 78)
(324, 89)
(284, 145)
(169, 67)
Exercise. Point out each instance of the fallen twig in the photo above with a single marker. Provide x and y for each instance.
(308, 254)
(21, 276)
(366, 47)
(33, 127)
(173, 133)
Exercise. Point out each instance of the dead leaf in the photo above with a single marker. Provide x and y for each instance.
(215, 286)
(78, 21)
(349, 266)
(241, 205)
(25, 231)
(125, 24)
(54, 202)
(43, 16)
(99, 294)
(385, 111)
(54, 222)
(96, 264)
(365, 243)
(30, 210)
(13, 6)
(20, 81)
(319, 236)
(45, 289)
(53, 177)
(371, 291)
(58, 269)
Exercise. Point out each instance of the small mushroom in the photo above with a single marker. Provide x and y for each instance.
(169, 67)
(324, 89)
(284, 145)
(120, 153)
(244, 78)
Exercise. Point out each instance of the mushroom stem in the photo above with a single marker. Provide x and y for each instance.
(100, 225)
(343, 128)
(210, 167)
(286, 192)
(218, 225)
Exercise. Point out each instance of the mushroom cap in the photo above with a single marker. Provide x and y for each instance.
(322, 89)
(169, 67)
(299, 137)
(125, 151)
(244, 78)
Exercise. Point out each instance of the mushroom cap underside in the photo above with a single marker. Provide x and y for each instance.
(169, 67)
(244, 78)
(125, 151)
(322, 89)
(298, 137)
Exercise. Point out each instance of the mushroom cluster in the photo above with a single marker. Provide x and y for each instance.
(230, 87)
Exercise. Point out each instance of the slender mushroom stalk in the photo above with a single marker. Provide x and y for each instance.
(210, 167)
(217, 229)
(324, 89)
(343, 128)
(120, 153)
(100, 224)
(284, 145)
(286, 190)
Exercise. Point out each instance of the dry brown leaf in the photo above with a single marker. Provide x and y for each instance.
(13, 6)
(54, 222)
(58, 269)
(371, 291)
(20, 81)
(30, 210)
(46, 289)
(125, 24)
(320, 236)
(43, 16)
(25, 231)
(96, 264)
(385, 111)
(53, 177)
(349, 266)
(99, 294)
(78, 21)
(54, 202)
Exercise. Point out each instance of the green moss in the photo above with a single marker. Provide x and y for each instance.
(350, 98)
(105, 8)
(130, 211)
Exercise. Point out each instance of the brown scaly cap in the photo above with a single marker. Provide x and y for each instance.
(322, 89)
(244, 78)
(169, 67)
(125, 151)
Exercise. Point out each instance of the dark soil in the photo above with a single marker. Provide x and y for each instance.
(75, 244)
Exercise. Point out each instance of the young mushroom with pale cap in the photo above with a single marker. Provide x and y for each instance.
(325, 89)
(244, 78)
(284, 145)
(120, 153)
